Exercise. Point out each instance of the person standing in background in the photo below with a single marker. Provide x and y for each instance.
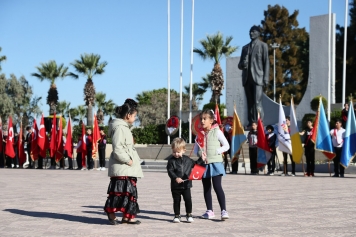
(102, 148)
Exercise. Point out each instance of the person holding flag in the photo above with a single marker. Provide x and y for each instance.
(79, 149)
(309, 148)
(89, 144)
(271, 139)
(179, 168)
(210, 150)
(349, 145)
(285, 154)
(252, 148)
(28, 146)
(101, 149)
(337, 138)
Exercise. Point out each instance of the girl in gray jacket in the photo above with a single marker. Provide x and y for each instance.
(124, 167)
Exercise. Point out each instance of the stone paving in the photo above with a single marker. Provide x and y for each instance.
(69, 203)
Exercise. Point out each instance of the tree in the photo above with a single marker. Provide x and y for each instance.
(51, 71)
(214, 48)
(109, 109)
(17, 100)
(2, 58)
(63, 107)
(152, 106)
(100, 100)
(197, 92)
(350, 56)
(291, 57)
(89, 65)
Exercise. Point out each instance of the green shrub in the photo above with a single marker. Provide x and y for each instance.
(314, 104)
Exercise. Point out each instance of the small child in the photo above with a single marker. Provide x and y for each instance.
(179, 168)
(271, 138)
(252, 143)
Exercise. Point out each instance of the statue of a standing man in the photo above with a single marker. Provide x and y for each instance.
(254, 63)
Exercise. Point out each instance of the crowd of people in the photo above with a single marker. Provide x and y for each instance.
(84, 161)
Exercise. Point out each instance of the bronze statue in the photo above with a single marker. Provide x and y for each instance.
(254, 63)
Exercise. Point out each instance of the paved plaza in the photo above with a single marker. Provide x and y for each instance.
(69, 203)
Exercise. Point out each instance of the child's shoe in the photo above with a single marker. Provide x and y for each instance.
(209, 214)
(224, 215)
(176, 219)
(189, 218)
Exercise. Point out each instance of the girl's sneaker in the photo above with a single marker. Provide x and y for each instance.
(189, 218)
(209, 214)
(176, 219)
(224, 215)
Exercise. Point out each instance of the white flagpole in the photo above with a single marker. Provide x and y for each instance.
(329, 63)
(344, 61)
(169, 68)
(191, 77)
(181, 69)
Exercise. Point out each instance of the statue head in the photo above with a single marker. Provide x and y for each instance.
(255, 32)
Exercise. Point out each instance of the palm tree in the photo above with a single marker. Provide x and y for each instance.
(109, 109)
(2, 58)
(63, 108)
(100, 103)
(73, 113)
(197, 92)
(214, 47)
(50, 71)
(89, 65)
(81, 113)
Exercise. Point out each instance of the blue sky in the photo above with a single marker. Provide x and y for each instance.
(131, 36)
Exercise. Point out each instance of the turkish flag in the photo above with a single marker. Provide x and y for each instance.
(34, 144)
(59, 151)
(22, 154)
(9, 149)
(53, 145)
(84, 145)
(41, 140)
(96, 137)
(197, 172)
(43, 152)
(69, 140)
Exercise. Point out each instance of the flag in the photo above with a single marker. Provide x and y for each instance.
(197, 172)
(1, 137)
(96, 137)
(59, 150)
(53, 145)
(34, 144)
(9, 148)
(21, 150)
(349, 146)
(69, 140)
(263, 151)
(238, 137)
(84, 145)
(41, 140)
(321, 134)
(283, 136)
(297, 148)
(217, 114)
(43, 152)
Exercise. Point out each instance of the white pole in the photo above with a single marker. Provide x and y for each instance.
(191, 77)
(329, 63)
(274, 74)
(344, 61)
(181, 69)
(169, 69)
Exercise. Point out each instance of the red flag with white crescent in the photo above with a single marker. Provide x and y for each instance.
(197, 172)
(96, 137)
(53, 143)
(34, 141)
(59, 151)
(41, 140)
(84, 145)
(69, 140)
(9, 148)
(22, 154)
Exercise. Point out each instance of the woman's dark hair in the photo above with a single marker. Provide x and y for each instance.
(129, 107)
(211, 114)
